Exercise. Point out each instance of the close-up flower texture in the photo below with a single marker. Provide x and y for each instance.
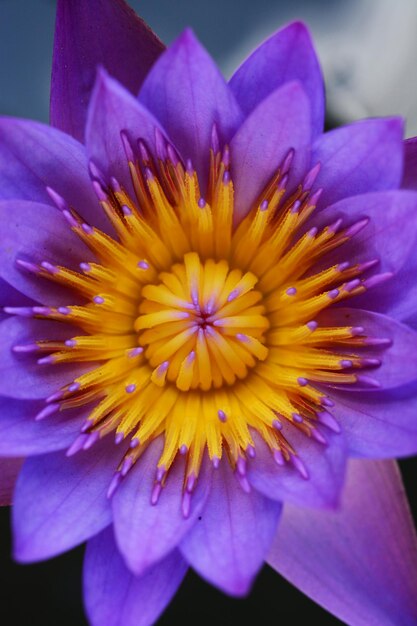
(208, 327)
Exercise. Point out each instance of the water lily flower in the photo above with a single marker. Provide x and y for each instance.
(209, 351)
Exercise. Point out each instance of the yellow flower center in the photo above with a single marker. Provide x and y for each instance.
(203, 325)
(198, 330)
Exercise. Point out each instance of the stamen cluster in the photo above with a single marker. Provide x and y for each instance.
(198, 330)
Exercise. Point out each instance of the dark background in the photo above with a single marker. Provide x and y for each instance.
(49, 594)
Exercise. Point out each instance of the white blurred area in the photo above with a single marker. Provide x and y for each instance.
(368, 50)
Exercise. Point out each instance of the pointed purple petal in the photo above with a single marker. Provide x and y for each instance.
(360, 562)
(88, 34)
(21, 238)
(114, 596)
(410, 164)
(399, 360)
(286, 56)
(359, 158)
(20, 375)
(62, 501)
(228, 544)
(390, 234)
(377, 424)
(113, 109)
(187, 94)
(21, 435)
(325, 466)
(9, 471)
(397, 297)
(279, 123)
(144, 532)
(34, 156)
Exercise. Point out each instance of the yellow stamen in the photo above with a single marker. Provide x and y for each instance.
(199, 330)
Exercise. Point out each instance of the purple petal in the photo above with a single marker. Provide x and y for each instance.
(288, 55)
(9, 470)
(410, 164)
(11, 297)
(399, 360)
(113, 109)
(278, 123)
(88, 34)
(21, 435)
(324, 466)
(398, 296)
(363, 157)
(34, 156)
(228, 543)
(377, 424)
(60, 502)
(20, 375)
(144, 532)
(360, 562)
(389, 236)
(21, 238)
(187, 94)
(114, 596)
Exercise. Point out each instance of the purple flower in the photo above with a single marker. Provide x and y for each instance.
(209, 309)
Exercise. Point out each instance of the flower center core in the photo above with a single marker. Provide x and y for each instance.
(203, 325)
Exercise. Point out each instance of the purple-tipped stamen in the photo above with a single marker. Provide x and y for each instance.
(46, 360)
(377, 279)
(115, 482)
(119, 438)
(77, 445)
(222, 415)
(318, 436)
(299, 466)
(357, 227)
(91, 440)
(311, 177)
(333, 294)
(127, 146)
(100, 192)
(58, 200)
(26, 349)
(28, 266)
(48, 410)
(327, 419)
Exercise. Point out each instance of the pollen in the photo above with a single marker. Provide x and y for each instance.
(199, 331)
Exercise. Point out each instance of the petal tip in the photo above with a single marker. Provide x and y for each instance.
(397, 123)
(187, 40)
(238, 587)
(299, 28)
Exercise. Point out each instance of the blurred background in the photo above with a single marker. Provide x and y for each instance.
(368, 49)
